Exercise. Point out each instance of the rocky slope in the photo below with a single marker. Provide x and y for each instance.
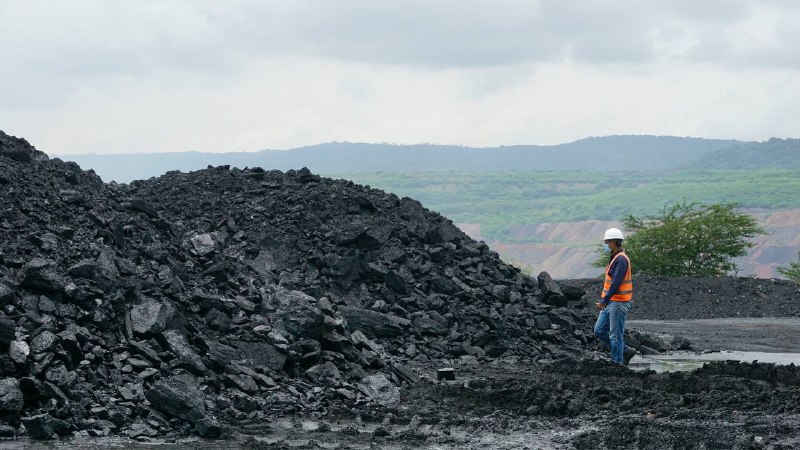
(191, 301)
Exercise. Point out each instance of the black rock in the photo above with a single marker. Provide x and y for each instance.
(396, 282)
(550, 290)
(645, 350)
(6, 292)
(39, 275)
(185, 353)
(293, 311)
(405, 373)
(542, 322)
(681, 343)
(218, 320)
(43, 342)
(222, 354)
(374, 324)
(653, 341)
(44, 427)
(179, 396)
(446, 374)
(150, 317)
(324, 373)
(572, 292)
(261, 354)
(143, 206)
(208, 428)
(11, 398)
(7, 330)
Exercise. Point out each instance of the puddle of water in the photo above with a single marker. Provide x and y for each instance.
(685, 361)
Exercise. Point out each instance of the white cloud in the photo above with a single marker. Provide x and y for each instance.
(101, 76)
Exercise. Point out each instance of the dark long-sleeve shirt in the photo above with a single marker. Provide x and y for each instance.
(618, 270)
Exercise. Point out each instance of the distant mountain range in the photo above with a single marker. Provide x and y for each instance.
(777, 153)
(603, 154)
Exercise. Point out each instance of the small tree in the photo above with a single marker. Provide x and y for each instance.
(793, 271)
(693, 239)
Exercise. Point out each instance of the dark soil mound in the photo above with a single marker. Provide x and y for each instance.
(231, 294)
(660, 298)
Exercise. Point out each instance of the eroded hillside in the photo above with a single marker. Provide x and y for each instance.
(567, 249)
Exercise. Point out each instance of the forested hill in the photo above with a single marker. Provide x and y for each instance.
(775, 153)
(595, 154)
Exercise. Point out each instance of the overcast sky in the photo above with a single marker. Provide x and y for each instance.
(80, 76)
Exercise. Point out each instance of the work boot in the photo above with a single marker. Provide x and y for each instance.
(629, 352)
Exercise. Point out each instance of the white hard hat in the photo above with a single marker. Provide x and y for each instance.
(613, 233)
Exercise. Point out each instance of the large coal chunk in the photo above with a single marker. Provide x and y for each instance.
(6, 292)
(187, 355)
(261, 354)
(572, 292)
(7, 330)
(208, 428)
(429, 323)
(221, 354)
(379, 389)
(18, 351)
(44, 427)
(178, 396)
(396, 282)
(374, 324)
(294, 313)
(43, 342)
(441, 232)
(550, 290)
(11, 398)
(39, 275)
(364, 236)
(138, 204)
(150, 317)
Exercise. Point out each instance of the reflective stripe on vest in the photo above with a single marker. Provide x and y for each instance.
(625, 292)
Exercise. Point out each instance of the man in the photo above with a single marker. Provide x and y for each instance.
(616, 299)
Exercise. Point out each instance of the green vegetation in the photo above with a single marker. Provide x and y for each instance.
(793, 271)
(784, 153)
(505, 201)
(688, 239)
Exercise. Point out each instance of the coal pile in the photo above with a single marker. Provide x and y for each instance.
(662, 298)
(192, 302)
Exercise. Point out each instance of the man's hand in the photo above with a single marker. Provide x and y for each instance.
(600, 306)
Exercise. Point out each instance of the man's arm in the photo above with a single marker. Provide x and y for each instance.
(618, 271)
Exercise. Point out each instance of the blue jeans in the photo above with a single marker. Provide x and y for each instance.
(610, 328)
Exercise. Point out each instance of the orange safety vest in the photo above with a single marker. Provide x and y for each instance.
(625, 292)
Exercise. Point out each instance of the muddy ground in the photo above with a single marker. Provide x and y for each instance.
(552, 404)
